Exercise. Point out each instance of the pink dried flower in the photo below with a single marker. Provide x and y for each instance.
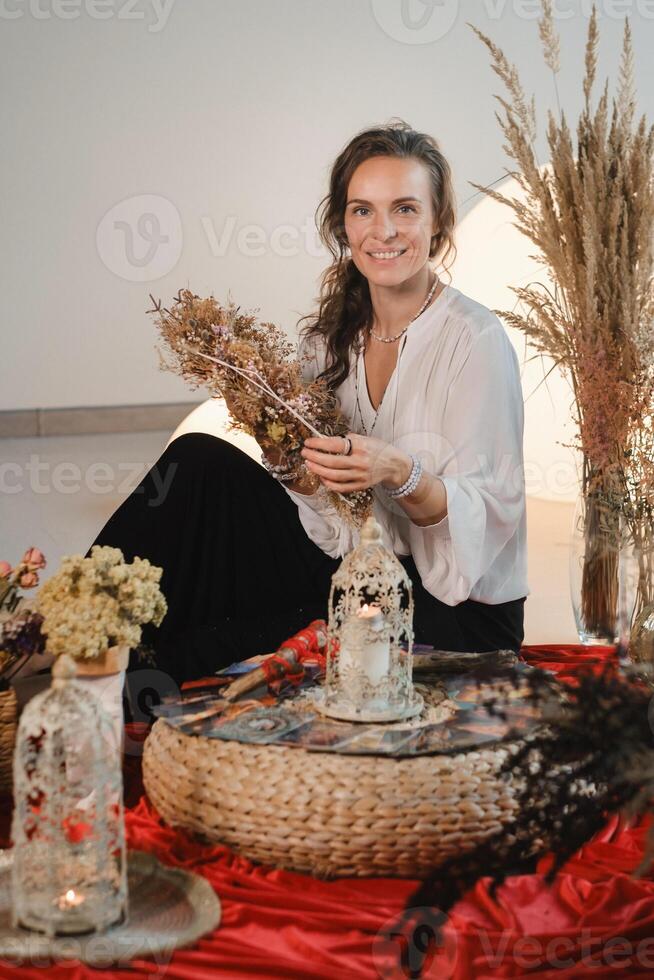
(5, 569)
(34, 559)
(28, 580)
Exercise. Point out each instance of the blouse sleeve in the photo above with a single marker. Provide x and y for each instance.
(318, 516)
(481, 466)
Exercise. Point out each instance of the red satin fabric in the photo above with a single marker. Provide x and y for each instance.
(567, 661)
(595, 921)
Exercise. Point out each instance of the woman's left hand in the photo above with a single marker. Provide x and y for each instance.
(371, 461)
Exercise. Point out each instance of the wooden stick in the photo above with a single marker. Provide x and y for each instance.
(444, 662)
(254, 678)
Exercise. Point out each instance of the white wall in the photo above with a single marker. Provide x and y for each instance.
(214, 116)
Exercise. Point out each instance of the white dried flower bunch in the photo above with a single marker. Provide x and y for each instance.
(98, 602)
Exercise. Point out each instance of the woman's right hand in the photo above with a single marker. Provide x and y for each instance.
(306, 484)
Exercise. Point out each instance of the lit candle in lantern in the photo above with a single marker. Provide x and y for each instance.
(71, 900)
(365, 644)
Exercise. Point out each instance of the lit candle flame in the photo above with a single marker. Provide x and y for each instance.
(368, 611)
(70, 900)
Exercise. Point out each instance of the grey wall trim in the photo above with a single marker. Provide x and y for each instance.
(101, 418)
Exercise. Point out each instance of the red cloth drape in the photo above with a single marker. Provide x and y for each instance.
(567, 661)
(594, 921)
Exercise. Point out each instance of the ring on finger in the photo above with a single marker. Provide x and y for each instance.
(348, 446)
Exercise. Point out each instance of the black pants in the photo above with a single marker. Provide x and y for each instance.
(240, 574)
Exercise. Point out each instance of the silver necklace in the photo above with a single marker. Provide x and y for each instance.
(387, 340)
(391, 340)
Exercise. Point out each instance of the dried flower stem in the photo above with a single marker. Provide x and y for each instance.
(262, 386)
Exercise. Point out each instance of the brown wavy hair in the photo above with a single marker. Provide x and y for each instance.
(345, 307)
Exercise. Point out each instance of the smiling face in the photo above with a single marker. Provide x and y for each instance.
(389, 218)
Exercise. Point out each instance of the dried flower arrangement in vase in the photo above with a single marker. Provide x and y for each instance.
(20, 639)
(20, 625)
(93, 610)
(590, 214)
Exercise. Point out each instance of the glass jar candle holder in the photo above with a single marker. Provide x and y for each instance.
(369, 673)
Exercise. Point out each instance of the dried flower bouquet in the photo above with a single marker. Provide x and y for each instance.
(24, 575)
(20, 626)
(92, 604)
(252, 365)
(590, 213)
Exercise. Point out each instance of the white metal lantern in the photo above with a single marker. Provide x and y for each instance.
(370, 636)
(69, 871)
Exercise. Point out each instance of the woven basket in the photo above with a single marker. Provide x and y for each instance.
(324, 813)
(8, 726)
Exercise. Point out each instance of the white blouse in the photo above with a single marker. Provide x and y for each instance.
(455, 400)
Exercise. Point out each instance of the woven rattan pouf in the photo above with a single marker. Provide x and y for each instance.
(325, 813)
(8, 726)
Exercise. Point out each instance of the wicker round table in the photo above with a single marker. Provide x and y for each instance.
(326, 813)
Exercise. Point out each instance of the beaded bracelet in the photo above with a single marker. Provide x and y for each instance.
(284, 477)
(279, 472)
(410, 485)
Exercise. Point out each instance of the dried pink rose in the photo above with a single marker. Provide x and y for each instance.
(5, 569)
(34, 559)
(28, 580)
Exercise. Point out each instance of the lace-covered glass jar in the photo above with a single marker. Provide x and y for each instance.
(69, 870)
(370, 636)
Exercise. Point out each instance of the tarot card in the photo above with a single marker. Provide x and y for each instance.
(320, 735)
(471, 728)
(431, 739)
(184, 707)
(522, 718)
(205, 685)
(200, 721)
(240, 667)
(260, 725)
(523, 709)
(467, 695)
(285, 690)
(516, 693)
(490, 728)
(380, 741)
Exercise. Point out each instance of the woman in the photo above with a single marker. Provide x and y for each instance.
(430, 383)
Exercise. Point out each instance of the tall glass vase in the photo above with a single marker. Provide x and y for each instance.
(636, 602)
(104, 677)
(594, 570)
